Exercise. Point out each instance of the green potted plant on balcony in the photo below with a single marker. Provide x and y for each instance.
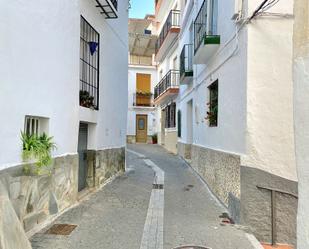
(37, 149)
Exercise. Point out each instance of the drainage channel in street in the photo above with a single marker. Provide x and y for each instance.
(192, 247)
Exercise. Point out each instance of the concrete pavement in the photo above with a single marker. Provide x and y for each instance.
(132, 213)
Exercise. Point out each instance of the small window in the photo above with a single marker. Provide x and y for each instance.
(212, 114)
(35, 125)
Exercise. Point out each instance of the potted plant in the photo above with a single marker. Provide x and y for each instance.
(37, 149)
(85, 99)
(154, 138)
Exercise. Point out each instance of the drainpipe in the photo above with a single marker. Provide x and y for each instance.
(301, 116)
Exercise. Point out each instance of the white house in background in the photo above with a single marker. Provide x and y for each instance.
(142, 77)
(301, 117)
(235, 106)
(167, 19)
(64, 72)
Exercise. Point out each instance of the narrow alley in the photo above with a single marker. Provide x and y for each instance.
(118, 215)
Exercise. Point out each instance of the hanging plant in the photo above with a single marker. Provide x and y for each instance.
(37, 148)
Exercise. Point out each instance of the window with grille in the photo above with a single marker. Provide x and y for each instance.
(170, 116)
(35, 125)
(89, 65)
(212, 114)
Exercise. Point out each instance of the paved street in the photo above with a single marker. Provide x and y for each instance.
(128, 213)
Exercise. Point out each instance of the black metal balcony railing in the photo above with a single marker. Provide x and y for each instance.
(143, 99)
(170, 80)
(186, 60)
(115, 4)
(172, 21)
(108, 8)
(201, 27)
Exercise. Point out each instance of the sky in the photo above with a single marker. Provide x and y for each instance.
(139, 8)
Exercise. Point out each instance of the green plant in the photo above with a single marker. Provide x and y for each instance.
(212, 115)
(37, 148)
(85, 99)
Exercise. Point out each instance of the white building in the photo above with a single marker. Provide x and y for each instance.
(301, 116)
(142, 77)
(63, 72)
(167, 19)
(234, 104)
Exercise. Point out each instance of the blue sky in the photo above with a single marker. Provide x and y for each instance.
(139, 8)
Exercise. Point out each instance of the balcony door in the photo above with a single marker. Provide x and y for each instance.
(141, 128)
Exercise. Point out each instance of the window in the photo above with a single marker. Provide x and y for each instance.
(89, 65)
(212, 114)
(170, 116)
(179, 123)
(35, 125)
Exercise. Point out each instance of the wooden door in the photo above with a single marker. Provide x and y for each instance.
(141, 128)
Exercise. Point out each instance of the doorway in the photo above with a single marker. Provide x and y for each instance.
(141, 128)
(190, 122)
(82, 154)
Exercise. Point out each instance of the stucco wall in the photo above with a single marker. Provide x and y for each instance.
(111, 131)
(39, 71)
(270, 139)
(301, 116)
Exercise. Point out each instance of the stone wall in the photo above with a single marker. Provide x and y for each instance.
(36, 197)
(256, 205)
(184, 150)
(221, 171)
(107, 163)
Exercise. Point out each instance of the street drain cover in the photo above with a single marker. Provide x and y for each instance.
(61, 229)
(157, 186)
(192, 247)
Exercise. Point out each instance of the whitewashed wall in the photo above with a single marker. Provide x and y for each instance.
(232, 88)
(270, 138)
(301, 117)
(39, 73)
(255, 106)
(112, 116)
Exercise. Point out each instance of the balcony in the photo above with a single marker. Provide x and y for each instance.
(206, 41)
(108, 8)
(169, 32)
(167, 87)
(186, 64)
(143, 100)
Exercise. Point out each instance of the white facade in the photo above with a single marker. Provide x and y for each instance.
(301, 117)
(141, 110)
(252, 143)
(169, 60)
(40, 61)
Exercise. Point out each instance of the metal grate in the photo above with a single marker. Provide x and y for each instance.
(61, 229)
(89, 65)
(192, 247)
(157, 186)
